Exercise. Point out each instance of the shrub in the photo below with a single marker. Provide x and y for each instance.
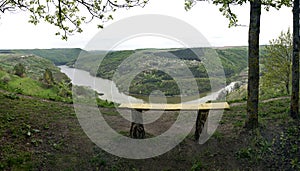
(19, 70)
(5, 79)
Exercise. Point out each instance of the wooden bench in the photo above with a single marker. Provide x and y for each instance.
(137, 128)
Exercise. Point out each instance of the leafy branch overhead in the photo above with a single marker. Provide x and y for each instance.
(225, 7)
(68, 15)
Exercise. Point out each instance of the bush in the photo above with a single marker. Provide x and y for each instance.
(19, 70)
(5, 79)
(12, 96)
(105, 103)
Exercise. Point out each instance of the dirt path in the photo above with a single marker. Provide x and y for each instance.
(62, 103)
(263, 101)
(37, 98)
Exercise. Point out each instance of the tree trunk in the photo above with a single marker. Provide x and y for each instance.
(287, 87)
(288, 80)
(137, 130)
(253, 64)
(200, 123)
(294, 111)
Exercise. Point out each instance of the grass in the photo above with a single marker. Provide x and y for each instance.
(35, 66)
(27, 86)
(218, 135)
(30, 87)
(197, 166)
(36, 134)
(276, 131)
(31, 83)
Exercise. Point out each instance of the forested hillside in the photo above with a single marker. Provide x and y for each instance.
(34, 65)
(233, 59)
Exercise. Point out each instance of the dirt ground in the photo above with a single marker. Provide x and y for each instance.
(45, 135)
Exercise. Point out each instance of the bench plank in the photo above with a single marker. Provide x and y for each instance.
(201, 106)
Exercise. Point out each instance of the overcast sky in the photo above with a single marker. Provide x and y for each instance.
(17, 33)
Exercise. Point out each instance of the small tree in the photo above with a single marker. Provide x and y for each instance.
(48, 77)
(19, 70)
(65, 89)
(278, 62)
(5, 79)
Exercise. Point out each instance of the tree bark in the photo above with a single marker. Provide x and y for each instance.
(253, 65)
(287, 87)
(137, 130)
(294, 110)
(200, 123)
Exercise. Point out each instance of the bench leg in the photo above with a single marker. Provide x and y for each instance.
(200, 122)
(137, 130)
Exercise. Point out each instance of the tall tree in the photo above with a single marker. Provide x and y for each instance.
(277, 63)
(253, 46)
(68, 15)
(294, 110)
(253, 64)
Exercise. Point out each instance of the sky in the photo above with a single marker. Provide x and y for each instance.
(17, 33)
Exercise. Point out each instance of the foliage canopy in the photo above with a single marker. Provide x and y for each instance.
(278, 62)
(68, 15)
(225, 7)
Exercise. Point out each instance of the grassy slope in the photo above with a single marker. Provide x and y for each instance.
(37, 135)
(45, 135)
(32, 84)
(35, 65)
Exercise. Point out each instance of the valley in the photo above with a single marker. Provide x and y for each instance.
(39, 128)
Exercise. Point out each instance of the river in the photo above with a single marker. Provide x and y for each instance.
(111, 92)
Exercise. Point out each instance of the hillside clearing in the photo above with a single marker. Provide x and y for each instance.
(45, 135)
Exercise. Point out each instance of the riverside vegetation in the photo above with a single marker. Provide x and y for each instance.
(39, 129)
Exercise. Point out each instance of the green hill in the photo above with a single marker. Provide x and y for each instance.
(100, 64)
(32, 82)
(34, 65)
(57, 56)
(233, 59)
